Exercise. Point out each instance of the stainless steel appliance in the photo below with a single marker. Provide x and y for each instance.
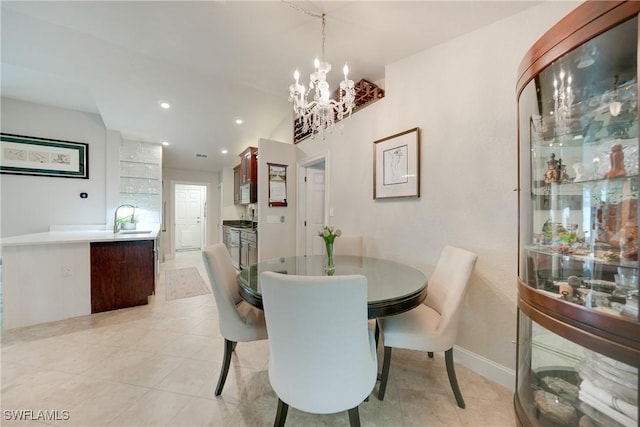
(234, 246)
(245, 193)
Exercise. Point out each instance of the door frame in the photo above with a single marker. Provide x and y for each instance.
(204, 223)
(303, 164)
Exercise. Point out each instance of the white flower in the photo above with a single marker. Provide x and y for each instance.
(329, 233)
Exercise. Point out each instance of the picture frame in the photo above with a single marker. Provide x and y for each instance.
(396, 165)
(28, 155)
(277, 184)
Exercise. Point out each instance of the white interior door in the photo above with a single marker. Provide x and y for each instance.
(189, 215)
(314, 209)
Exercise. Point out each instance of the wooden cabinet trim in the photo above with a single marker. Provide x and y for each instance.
(602, 332)
(584, 23)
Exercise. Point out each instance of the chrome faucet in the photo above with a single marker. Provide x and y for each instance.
(115, 216)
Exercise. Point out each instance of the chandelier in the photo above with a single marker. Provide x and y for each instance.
(319, 112)
(562, 102)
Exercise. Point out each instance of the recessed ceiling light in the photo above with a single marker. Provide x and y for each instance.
(165, 143)
(224, 151)
(165, 105)
(239, 121)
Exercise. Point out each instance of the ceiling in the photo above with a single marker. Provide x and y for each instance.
(213, 61)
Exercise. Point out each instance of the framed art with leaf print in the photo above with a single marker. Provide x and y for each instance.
(27, 155)
(396, 165)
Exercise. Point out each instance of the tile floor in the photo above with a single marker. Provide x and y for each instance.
(158, 365)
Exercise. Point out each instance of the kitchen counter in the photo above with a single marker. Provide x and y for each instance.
(239, 223)
(51, 276)
(81, 236)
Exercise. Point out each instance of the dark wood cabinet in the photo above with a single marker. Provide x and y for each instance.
(579, 181)
(122, 274)
(249, 165)
(248, 176)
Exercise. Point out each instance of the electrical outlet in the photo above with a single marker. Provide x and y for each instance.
(67, 271)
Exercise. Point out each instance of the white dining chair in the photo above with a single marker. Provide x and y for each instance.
(348, 245)
(323, 356)
(432, 326)
(238, 321)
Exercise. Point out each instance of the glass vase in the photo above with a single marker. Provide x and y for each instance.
(330, 266)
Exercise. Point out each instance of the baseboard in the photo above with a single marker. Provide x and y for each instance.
(497, 373)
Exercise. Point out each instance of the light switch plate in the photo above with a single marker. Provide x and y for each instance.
(273, 219)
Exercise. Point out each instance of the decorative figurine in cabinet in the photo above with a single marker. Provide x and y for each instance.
(578, 321)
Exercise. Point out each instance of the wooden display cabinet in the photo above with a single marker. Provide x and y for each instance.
(578, 323)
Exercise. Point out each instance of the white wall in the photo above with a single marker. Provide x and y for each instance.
(275, 238)
(461, 94)
(31, 203)
(230, 210)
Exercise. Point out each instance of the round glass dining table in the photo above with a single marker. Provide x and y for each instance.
(392, 287)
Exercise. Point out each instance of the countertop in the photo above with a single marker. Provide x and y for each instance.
(243, 225)
(239, 223)
(80, 236)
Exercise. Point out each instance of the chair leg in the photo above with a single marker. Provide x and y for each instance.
(451, 371)
(385, 372)
(281, 414)
(229, 346)
(354, 417)
(377, 333)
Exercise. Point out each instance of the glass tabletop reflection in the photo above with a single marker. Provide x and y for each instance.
(392, 287)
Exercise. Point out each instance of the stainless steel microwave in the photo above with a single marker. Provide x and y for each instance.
(245, 194)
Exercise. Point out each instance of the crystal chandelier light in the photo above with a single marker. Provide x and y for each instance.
(319, 113)
(562, 101)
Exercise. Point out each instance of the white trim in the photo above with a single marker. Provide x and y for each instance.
(497, 373)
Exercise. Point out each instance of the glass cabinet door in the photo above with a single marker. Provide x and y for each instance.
(562, 383)
(578, 321)
(579, 205)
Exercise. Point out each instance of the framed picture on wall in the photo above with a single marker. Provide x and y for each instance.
(277, 184)
(396, 165)
(27, 155)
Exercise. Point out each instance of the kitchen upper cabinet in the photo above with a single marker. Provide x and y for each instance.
(249, 165)
(122, 274)
(247, 188)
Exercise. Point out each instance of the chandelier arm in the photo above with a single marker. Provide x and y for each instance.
(324, 33)
(306, 12)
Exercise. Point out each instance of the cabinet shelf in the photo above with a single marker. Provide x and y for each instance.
(140, 192)
(140, 177)
(140, 162)
(599, 185)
